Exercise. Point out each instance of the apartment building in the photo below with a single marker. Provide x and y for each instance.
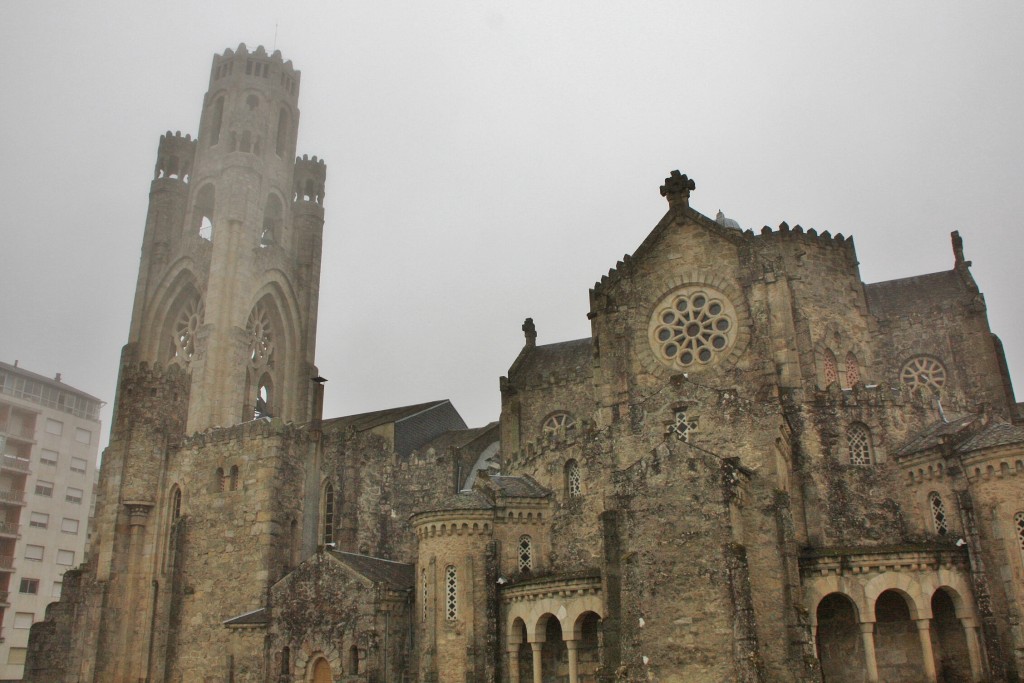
(49, 438)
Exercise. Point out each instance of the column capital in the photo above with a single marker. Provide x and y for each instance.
(570, 644)
(866, 626)
(923, 624)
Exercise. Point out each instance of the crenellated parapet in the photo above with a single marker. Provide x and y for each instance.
(310, 177)
(241, 63)
(253, 430)
(174, 158)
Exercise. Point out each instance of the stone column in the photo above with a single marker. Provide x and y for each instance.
(573, 666)
(925, 635)
(513, 662)
(867, 632)
(537, 647)
(973, 648)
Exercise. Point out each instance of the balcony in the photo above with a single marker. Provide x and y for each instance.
(18, 430)
(10, 462)
(8, 496)
(6, 563)
(10, 529)
(5, 598)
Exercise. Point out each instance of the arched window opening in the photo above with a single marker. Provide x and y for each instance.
(559, 426)
(218, 480)
(852, 370)
(272, 221)
(573, 485)
(938, 510)
(1018, 525)
(186, 327)
(282, 132)
(234, 478)
(951, 654)
(217, 117)
(203, 212)
(353, 660)
(327, 515)
(175, 504)
(898, 645)
(423, 593)
(451, 584)
(588, 648)
(525, 553)
(264, 394)
(553, 650)
(839, 640)
(286, 661)
(261, 337)
(858, 441)
(830, 367)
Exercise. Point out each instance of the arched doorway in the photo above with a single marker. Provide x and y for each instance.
(321, 672)
(840, 645)
(897, 644)
(588, 647)
(952, 659)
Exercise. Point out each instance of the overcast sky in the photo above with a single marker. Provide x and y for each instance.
(490, 161)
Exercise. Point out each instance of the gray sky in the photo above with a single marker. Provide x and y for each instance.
(490, 161)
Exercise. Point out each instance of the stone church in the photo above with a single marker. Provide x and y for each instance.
(756, 468)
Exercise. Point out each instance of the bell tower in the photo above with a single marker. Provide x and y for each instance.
(228, 281)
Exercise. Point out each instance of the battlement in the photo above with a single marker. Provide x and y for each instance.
(784, 232)
(310, 177)
(174, 156)
(262, 428)
(241, 63)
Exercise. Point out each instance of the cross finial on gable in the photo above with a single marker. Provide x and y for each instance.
(677, 189)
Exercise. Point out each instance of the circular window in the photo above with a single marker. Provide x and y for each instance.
(692, 327)
(559, 424)
(924, 371)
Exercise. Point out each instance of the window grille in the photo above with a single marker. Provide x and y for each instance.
(852, 370)
(559, 425)
(573, 486)
(831, 370)
(938, 514)
(327, 535)
(423, 579)
(1018, 522)
(451, 582)
(683, 426)
(858, 440)
(525, 553)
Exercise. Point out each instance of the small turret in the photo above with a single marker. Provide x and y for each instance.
(174, 157)
(310, 176)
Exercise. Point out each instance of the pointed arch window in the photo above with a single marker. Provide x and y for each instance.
(830, 368)
(573, 484)
(233, 478)
(423, 589)
(525, 553)
(858, 441)
(852, 370)
(175, 504)
(1018, 526)
(282, 133)
(451, 586)
(202, 212)
(186, 327)
(938, 510)
(261, 337)
(327, 514)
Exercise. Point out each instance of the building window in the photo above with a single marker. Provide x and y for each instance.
(176, 504)
(56, 589)
(234, 477)
(831, 370)
(39, 520)
(423, 579)
(692, 327)
(451, 583)
(29, 586)
(24, 619)
(74, 495)
(573, 488)
(683, 426)
(852, 370)
(79, 465)
(16, 655)
(48, 457)
(525, 553)
(858, 440)
(1018, 523)
(54, 427)
(924, 371)
(327, 515)
(34, 552)
(218, 480)
(44, 488)
(559, 425)
(938, 514)
(186, 327)
(83, 436)
(69, 526)
(66, 557)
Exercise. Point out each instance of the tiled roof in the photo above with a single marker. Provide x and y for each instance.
(561, 357)
(996, 434)
(455, 438)
(257, 617)
(519, 487)
(894, 298)
(395, 574)
(364, 421)
(931, 436)
(464, 500)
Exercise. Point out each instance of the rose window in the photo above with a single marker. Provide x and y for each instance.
(185, 328)
(924, 371)
(692, 327)
(559, 425)
(261, 340)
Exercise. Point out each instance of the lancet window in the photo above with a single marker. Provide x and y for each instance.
(858, 441)
(938, 510)
(525, 553)
(451, 585)
(852, 370)
(830, 368)
(573, 486)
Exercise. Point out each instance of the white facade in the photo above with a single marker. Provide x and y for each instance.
(49, 438)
